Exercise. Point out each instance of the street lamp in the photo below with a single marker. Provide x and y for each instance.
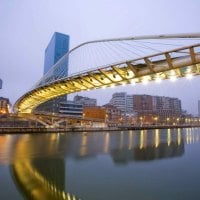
(156, 120)
(141, 121)
(168, 120)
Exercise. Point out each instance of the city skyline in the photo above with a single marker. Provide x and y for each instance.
(24, 39)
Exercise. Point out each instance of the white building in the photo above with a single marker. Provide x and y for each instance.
(123, 102)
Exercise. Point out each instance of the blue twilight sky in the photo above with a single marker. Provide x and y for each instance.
(27, 26)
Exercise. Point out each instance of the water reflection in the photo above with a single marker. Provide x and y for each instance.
(192, 137)
(38, 161)
(149, 146)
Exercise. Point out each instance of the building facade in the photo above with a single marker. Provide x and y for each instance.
(147, 109)
(85, 101)
(4, 105)
(123, 102)
(71, 108)
(113, 115)
(157, 109)
(95, 112)
(56, 49)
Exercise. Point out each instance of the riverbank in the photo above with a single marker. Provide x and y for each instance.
(23, 130)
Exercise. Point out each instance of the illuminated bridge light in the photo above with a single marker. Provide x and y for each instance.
(158, 80)
(123, 84)
(189, 76)
(173, 78)
(145, 80)
(112, 86)
(133, 82)
(68, 197)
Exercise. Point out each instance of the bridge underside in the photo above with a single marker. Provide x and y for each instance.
(181, 62)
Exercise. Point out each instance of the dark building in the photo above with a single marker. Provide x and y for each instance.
(85, 101)
(1, 83)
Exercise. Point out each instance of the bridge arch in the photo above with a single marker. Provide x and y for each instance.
(159, 64)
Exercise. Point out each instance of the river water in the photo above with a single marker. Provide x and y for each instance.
(136, 165)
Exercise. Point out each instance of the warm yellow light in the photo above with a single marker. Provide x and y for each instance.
(179, 136)
(158, 80)
(145, 81)
(130, 140)
(141, 139)
(63, 87)
(173, 78)
(129, 74)
(123, 84)
(168, 136)
(132, 82)
(63, 194)
(157, 138)
(189, 76)
(188, 70)
(113, 86)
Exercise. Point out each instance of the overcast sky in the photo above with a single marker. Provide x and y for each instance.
(27, 26)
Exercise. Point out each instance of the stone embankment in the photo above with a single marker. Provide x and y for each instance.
(23, 130)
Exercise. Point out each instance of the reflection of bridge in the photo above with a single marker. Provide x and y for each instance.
(39, 178)
(38, 161)
(118, 62)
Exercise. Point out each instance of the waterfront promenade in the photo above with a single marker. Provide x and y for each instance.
(30, 130)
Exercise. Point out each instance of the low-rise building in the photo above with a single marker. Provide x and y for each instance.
(95, 112)
(95, 116)
(157, 109)
(114, 115)
(85, 101)
(71, 108)
(4, 105)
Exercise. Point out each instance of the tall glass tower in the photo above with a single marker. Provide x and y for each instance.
(57, 48)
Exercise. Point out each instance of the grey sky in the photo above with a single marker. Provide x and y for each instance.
(27, 26)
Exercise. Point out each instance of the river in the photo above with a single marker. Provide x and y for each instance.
(140, 165)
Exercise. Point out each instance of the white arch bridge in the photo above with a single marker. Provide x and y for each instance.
(112, 62)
